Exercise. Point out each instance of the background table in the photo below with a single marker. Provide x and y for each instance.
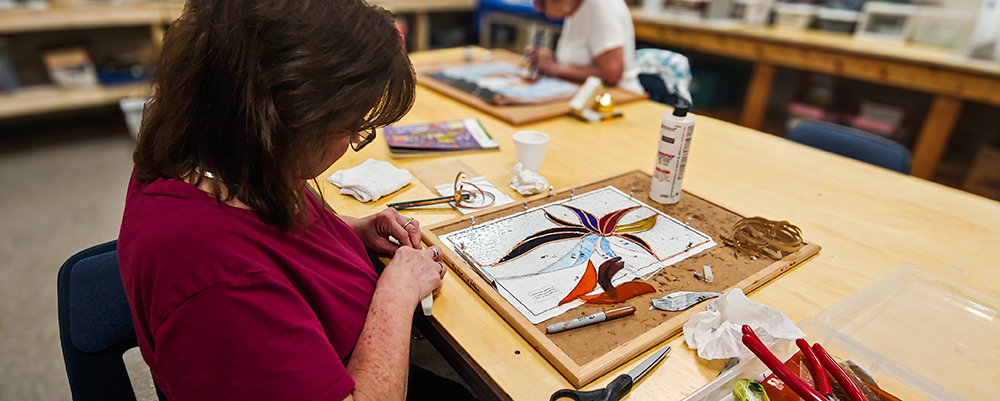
(870, 222)
(953, 80)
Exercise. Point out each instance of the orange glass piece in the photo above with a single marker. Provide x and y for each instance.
(587, 284)
(624, 291)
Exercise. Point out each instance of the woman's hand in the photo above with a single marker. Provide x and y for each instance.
(378, 362)
(542, 56)
(376, 229)
(416, 272)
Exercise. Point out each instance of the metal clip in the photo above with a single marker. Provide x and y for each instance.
(631, 193)
(472, 220)
(572, 192)
(525, 206)
(550, 190)
(689, 221)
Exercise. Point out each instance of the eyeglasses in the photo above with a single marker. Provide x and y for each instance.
(362, 138)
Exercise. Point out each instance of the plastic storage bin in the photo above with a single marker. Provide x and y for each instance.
(886, 22)
(751, 12)
(835, 20)
(950, 350)
(793, 15)
(945, 27)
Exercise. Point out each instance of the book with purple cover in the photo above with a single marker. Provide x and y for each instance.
(438, 138)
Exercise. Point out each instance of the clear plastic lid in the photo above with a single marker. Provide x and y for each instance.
(933, 322)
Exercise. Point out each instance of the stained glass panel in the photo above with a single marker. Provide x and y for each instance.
(552, 243)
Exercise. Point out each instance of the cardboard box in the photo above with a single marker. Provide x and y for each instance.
(70, 66)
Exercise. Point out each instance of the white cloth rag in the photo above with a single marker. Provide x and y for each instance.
(370, 180)
(527, 182)
(717, 333)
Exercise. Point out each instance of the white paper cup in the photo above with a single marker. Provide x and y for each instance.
(530, 147)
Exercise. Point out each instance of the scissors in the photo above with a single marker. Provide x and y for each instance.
(618, 387)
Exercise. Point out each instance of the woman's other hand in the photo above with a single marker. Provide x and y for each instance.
(376, 229)
(414, 271)
(546, 61)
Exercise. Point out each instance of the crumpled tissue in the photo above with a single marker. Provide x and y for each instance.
(717, 333)
(371, 180)
(527, 182)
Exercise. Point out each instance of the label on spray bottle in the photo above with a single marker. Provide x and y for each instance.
(671, 158)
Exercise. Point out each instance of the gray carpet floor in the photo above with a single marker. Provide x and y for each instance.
(62, 189)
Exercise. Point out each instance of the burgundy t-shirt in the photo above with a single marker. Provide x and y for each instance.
(228, 307)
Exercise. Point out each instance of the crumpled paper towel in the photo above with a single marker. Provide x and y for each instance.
(370, 180)
(527, 182)
(717, 333)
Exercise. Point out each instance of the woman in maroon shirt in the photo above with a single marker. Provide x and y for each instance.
(242, 285)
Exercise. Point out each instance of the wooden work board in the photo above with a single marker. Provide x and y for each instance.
(584, 354)
(514, 115)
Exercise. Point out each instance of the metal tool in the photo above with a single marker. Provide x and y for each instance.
(681, 300)
(821, 382)
(838, 373)
(779, 369)
(530, 74)
(466, 195)
(731, 363)
(618, 387)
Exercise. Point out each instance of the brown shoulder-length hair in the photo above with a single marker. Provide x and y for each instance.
(255, 91)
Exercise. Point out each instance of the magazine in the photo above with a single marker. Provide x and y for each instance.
(438, 138)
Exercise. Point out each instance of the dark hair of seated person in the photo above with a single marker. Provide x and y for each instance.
(255, 91)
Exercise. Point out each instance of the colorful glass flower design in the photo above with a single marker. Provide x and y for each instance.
(595, 233)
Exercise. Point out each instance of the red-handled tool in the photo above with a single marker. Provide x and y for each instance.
(816, 367)
(838, 373)
(792, 380)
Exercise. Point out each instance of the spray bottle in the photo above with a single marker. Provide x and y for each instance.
(672, 154)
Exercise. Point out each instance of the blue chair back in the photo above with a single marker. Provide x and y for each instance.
(95, 325)
(853, 143)
(522, 8)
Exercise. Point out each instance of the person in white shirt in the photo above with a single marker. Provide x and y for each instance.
(598, 39)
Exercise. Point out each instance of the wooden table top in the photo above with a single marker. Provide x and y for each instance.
(870, 221)
(913, 53)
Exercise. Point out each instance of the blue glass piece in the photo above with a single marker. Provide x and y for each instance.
(606, 248)
(580, 254)
(587, 219)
